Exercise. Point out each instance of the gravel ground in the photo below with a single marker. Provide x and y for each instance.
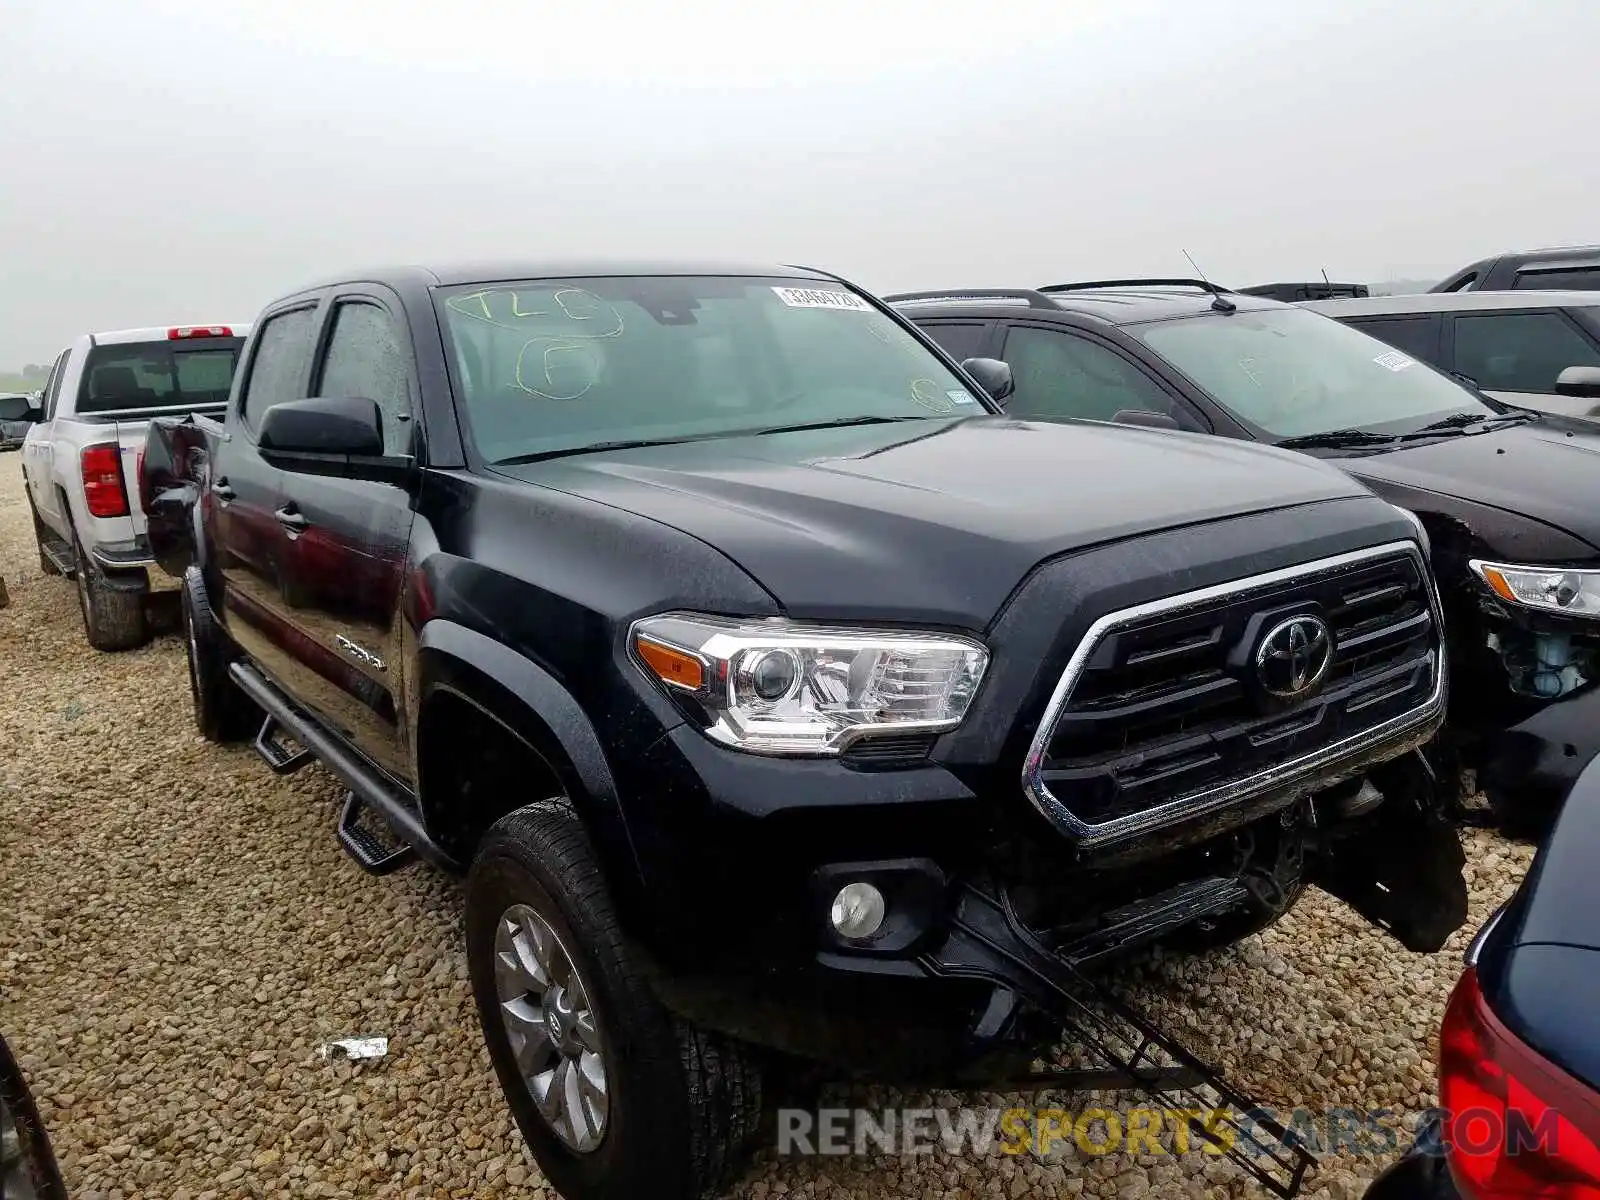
(179, 931)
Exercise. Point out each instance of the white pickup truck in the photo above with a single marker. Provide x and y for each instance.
(80, 460)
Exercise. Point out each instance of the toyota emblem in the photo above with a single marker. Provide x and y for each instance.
(1293, 657)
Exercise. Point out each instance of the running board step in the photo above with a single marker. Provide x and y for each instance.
(988, 942)
(61, 556)
(282, 760)
(373, 853)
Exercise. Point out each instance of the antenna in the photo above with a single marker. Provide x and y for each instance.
(1325, 278)
(1217, 302)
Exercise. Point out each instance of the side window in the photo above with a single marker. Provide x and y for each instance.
(366, 357)
(278, 363)
(1417, 336)
(1520, 352)
(1060, 375)
(960, 340)
(1578, 279)
(1465, 284)
(53, 388)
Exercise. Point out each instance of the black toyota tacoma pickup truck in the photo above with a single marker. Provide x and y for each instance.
(774, 691)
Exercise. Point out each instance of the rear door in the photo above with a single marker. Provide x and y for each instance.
(37, 454)
(1516, 356)
(345, 541)
(242, 492)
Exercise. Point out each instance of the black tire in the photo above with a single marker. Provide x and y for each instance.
(222, 713)
(33, 1171)
(40, 534)
(683, 1102)
(112, 618)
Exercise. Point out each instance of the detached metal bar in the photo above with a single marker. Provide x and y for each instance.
(989, 942)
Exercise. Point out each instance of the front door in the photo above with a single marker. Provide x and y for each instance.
(346, 541)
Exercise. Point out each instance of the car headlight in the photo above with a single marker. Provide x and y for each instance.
(775, 687)
(1551, 589)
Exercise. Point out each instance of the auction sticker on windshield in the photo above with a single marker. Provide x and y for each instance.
(821, 298)
(1394, 360)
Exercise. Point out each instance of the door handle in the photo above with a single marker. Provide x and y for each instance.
(221, 490)
(292, 519)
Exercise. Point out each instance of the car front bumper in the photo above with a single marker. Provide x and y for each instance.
(1529, 767)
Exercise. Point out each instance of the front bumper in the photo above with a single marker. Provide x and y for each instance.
(1528, 768)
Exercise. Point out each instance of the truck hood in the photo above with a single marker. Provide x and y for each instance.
(1547, 472)
(936, 520)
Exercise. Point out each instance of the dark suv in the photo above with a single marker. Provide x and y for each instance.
(771, 687)
(1538, 350)
(1511, 501)
(1570, 267)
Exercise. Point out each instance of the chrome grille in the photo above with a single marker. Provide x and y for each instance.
(1159, 716)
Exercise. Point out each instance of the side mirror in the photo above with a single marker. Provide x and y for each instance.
(330, 435)
(1139, 416)
(1579, 381)
(993, 376)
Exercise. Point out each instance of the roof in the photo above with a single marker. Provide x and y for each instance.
(1432, 302)
(1122, 305)
(507, 270)
(158, 333)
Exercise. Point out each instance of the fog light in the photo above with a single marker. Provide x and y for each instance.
(857, 911)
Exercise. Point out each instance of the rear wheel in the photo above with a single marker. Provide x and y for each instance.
(113, 617)
(222, 713)
(615, 1096)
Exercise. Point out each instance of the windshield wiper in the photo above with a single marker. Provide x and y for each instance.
(517, 460)
(1335, 439)
(838, 423)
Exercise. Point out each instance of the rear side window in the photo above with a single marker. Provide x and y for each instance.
(1520, 352)
(53, 388)
(1417, 336)
(366, 358)
(278, 364)
(1578, 279)
(134, 375)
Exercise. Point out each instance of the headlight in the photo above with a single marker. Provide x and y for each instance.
(774, 687)
(1551, 589)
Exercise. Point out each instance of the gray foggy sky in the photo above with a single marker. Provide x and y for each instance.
(185, 160)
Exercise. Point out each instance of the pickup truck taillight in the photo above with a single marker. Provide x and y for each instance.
(103, 489)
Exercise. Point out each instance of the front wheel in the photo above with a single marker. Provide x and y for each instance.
(614, 1095)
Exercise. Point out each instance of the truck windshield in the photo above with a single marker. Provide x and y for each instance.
(122, 376)
(555, 366)
(1293, 373)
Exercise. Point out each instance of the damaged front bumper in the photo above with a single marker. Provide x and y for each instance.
(1528, 768)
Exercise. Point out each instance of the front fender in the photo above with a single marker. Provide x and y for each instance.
(533, 705)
